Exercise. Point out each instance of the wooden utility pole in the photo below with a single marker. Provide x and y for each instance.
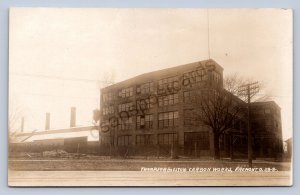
(249, 90)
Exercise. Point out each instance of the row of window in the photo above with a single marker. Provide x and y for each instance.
(167, 119)
(168, 83)
(171, 99)
(163, 139)
(192, 117)
(191, 140)
(195, 76)
(140, 105)
(147, 104)
(189, 78)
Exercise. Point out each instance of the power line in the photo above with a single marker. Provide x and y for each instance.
(57, 77)
(58, 96)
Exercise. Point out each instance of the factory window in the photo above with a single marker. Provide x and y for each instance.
(124, 140)
(127, 92)
(108, 110)
(107, 97)
(144, 139)
(168, 83)
(168, 100)
(167, 119)
(126, 106)
(167, 138)
(193, 77)
(144, 104)
(125, 123)
(145, 88)
(216, 77)
(144, 122)
(187, 96)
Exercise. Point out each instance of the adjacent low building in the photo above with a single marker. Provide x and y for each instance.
(72, 140)
(267, 129)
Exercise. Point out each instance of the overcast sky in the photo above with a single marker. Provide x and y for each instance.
(58, 58)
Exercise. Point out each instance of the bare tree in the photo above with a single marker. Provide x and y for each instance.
(15, 114)
(233, 81)
(219, 108)
(106, 80)
(14, 121)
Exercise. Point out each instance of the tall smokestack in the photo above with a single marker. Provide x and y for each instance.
(22, 125)
(73, 117)
(47, 126)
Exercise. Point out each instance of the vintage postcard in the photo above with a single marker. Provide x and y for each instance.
(150, 97)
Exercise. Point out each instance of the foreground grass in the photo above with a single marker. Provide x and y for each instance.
(101, 164)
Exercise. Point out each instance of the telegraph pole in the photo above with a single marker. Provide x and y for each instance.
(249, 90)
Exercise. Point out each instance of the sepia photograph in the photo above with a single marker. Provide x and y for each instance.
(150, 97)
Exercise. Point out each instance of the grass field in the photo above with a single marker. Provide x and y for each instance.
(101, 171)
(135, 164)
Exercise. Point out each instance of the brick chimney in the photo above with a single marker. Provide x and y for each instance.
(73, 117)
(22, 125)
(47, 125)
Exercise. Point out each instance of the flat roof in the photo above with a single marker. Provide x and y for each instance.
(273, 103)
(91, 132)
(176, 70)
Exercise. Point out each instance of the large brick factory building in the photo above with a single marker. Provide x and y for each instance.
(150, 114)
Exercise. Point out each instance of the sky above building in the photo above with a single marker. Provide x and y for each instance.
(60, 58)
